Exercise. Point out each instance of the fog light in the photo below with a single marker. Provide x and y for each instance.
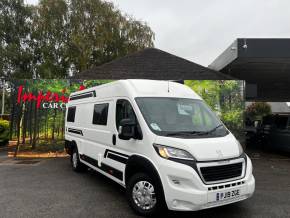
(174, 203)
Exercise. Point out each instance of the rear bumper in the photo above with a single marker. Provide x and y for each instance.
(185, 191)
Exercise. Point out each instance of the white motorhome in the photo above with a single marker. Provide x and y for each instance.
(160, 141)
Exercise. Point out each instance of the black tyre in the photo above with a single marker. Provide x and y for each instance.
(145, 195)
(76, 164)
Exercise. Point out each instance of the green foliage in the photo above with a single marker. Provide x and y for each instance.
(225, 97)
(208, 90)
(92, 83)
(50, 38)
(45, 146)
(57, 38)
(4, 131)
(15, 24)
(233, 119)
(100, 33)
(257, 110)
(4, 124)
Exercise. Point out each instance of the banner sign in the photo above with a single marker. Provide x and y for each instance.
(47, 100)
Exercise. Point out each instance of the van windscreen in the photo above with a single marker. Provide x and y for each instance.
(180, 117)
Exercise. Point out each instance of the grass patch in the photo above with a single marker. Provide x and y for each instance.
(44, 146)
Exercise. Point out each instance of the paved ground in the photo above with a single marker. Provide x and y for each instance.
(49, 188)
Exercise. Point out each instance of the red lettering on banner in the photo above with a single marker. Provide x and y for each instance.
(40, 97)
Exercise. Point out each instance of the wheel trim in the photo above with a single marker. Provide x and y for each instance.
(143, 195)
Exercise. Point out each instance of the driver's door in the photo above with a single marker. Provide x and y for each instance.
(124, 110)
(118, 152)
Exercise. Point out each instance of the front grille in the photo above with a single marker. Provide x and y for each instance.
(224, 172)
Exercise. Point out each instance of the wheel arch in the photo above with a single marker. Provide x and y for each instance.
(70, 146)
(139, 164)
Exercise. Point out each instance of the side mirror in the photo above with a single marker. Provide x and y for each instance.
(127, 129)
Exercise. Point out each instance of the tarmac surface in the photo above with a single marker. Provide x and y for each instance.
(49, 188)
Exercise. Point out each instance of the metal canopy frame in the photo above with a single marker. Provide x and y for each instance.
(263, 63)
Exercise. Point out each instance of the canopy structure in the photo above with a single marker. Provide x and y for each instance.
(152, 63)
(263, 63)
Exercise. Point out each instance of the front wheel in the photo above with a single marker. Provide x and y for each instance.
(77, 165)
(144, 195)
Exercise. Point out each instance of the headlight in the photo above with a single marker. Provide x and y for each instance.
(174, 153)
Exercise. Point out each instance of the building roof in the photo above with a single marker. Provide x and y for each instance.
(262, 62)
(256, 59)
(152, 63)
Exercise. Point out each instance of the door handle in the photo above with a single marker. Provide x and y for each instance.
(114, 139)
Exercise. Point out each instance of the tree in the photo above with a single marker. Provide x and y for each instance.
(226, 98)
(100, 33)
(232, 104)
(50, 39)
(15, 23)
(258, 110)
(57, 38)
(209, 90)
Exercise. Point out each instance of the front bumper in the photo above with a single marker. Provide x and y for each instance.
(185, 191)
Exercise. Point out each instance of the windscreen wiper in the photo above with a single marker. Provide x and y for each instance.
(184, 133)
(212, 130)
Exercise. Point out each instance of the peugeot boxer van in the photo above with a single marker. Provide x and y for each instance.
(160, 141)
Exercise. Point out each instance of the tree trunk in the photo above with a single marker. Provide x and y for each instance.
(12, 116)
(19, 114)
(62, 125)
(53, 125)
(30, 122)
(35, 127)
(45, 124)
(24, 124)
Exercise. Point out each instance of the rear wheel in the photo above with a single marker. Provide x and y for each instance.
(76, 164)
(144, 195)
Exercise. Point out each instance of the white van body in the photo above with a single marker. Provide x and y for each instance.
(195, 171)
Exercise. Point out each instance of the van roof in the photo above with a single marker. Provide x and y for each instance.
(132, 88)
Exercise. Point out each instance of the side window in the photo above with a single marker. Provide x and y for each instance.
(100, 115)
(124, 110)
(71, 114)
